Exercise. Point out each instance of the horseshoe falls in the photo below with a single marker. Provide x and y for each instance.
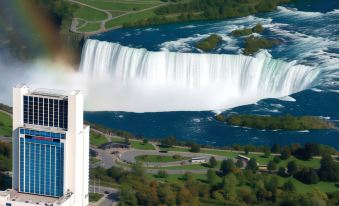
(137, 80)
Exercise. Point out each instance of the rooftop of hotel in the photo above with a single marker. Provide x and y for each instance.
(50, 92)
(29, 198)
(16, 196)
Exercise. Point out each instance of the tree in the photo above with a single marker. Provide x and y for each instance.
(168, 141)
(276, 148)
(165, 194)
(246, 150)
(239, 164)
(188, 177)
(276, 159)
(126, 140)
(145, 141)
(252, 165)
(289, 186)
(212, 177)
(271, 166)
(195, 148)
(229, 186)
(227, 166)
(267, 152)
(282, 171)
(285, 154)
(307, 175)
(127, 196)
(162, 174)
(213, 162)
(292, 167)
(138, 170)
(329, 170)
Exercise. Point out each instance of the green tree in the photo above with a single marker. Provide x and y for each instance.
(127, 196)
(276, 148)
(289, 186)
(267, 152)
(195, 148)
(145, 141)
(271, 166)
(239, 164)
(246, 150)
(212, 177)
(162, 174)
(188, 176)
(292, 167)
(276, 159)
(227, 166)
(285, 154)
(329, 170)
(138, 170)
(307, 175)
(229, 186)
(252, 165)
(213, 162)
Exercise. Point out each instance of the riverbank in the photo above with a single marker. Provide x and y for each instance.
(287, 122)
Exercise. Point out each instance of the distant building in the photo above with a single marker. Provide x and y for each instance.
(244, 159)
(50, 149)
(198, 160)
(115, 145)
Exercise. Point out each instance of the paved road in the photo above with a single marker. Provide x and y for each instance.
(108, 199)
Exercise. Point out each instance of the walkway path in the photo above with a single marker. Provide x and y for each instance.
(75, 21)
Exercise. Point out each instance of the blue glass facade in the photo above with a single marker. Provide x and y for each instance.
(41, 162)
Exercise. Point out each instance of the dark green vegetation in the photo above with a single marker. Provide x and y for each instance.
(160, 158)
(5, 125)
(5, 165)
(254, 44)
(206, 9)
(287, 122)
(94, 197)
(247, 31)
(209, 43)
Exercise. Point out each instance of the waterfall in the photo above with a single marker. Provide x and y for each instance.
(189, 81)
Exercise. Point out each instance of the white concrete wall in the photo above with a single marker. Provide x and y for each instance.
(18, 93)
(86, 166)
(77, 154)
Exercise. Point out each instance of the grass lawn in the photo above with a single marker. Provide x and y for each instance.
(93, 160)
(96, 139)
(159, 158)
(130, 18)
(89, 14)
(141, 145)
(94, 197)
(90, 27)
(121, 5)
(5, 125)
(304, 188)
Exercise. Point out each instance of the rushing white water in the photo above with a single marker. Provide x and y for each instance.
(170, 81)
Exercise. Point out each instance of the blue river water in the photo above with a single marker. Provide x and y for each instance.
(309, 34)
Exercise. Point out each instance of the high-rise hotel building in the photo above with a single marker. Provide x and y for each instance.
(50, 149)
